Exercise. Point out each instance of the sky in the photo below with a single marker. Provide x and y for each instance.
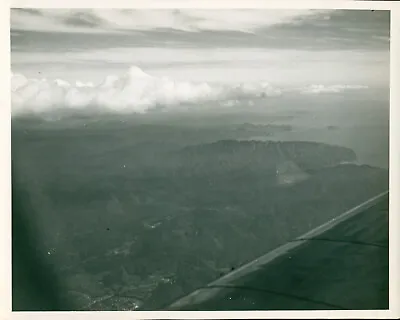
(157, 55)
(282, 46)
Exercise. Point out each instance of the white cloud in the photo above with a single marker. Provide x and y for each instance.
(138, 92)
(134, 91)
(336, 88)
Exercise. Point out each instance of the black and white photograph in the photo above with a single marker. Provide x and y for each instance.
(191, 159)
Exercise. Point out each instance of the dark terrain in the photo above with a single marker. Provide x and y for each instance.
(131, 216)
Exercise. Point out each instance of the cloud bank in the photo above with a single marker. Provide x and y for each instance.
(319, 88)
(137, 92)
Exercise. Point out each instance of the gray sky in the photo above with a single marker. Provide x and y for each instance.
(136, 60)
(282, 46)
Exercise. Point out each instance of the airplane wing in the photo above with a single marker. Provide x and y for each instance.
(343, 264)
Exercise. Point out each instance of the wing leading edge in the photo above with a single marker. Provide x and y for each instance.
(343, 264)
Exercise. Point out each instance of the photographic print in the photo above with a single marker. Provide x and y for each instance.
(200, 159)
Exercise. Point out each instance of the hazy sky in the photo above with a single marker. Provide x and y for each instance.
(278, 46)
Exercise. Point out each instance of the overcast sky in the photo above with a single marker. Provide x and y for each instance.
(278, 46)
